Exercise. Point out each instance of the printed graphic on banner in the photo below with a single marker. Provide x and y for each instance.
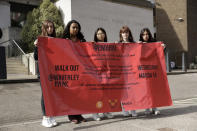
(88, 77)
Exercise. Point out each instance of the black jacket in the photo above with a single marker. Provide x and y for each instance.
(36, 53)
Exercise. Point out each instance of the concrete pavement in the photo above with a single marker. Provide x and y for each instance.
(20, 110)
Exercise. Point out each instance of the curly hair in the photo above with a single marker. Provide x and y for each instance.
(66, 33)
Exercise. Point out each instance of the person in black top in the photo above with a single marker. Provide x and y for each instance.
(73, 33)
(48, 30)
(146, 37)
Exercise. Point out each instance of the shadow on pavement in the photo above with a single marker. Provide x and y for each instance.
(181, 72)
(164, 113)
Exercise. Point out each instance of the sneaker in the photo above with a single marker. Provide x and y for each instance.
(53, 121)
(108, 115)
(46, 122)
(156, 111)
(125, 113)
(96, 117)
(133, 113)
(147, 112)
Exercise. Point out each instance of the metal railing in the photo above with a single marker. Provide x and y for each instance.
(14, 50)
(19, 47)
(183, 61)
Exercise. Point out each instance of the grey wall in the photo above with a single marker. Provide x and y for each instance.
(4, 21)
(4, 14)
(111, 16)
(65, 8)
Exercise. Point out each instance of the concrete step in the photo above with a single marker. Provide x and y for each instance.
(13, 62)
(17, 72)
(14, 66)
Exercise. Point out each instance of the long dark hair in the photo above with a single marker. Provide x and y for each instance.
(95, 34)
(45, 25)
(150, 39)
(126, 29)
(66, 33)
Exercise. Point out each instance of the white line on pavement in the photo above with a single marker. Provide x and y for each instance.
(185, 100)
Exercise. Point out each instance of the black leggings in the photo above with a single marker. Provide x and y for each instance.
(75, 117)
(70, 117)
(42, 98)
(43, 106)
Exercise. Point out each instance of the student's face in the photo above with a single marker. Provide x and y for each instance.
(74, 29)
(125, 36)
(145, 36)
(100, 35)
(50, 29)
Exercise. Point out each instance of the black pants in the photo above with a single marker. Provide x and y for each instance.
(74, 117)
(70, 117)
(43, 106)
(42, 98)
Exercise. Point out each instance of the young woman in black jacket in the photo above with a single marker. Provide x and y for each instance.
(48, 30)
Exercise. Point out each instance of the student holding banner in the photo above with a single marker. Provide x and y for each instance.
(126, 37)
(146, 37)
(73, 33)
(48, 30)
(100, 35)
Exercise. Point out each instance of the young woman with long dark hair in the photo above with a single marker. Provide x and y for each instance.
(146, 37)
(100, 35)
(73, 33)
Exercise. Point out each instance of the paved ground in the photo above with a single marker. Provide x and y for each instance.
(20, 110)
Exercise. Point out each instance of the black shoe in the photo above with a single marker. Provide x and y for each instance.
(80, 118)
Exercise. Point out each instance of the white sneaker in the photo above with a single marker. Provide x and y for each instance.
(133, 113)
(96, 117)
(156, 111)
(147, 112)
(53, 121)
(108, 115)
(46, 122)
(125, 113)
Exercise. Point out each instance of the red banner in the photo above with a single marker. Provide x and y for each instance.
(88, 77)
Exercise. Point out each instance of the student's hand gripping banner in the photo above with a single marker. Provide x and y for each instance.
(88, 77)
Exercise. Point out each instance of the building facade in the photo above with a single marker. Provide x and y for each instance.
(13, 15)
(109, 14)
(176, 26)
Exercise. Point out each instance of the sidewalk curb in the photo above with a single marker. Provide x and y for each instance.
(18, 81)
(180, 73)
